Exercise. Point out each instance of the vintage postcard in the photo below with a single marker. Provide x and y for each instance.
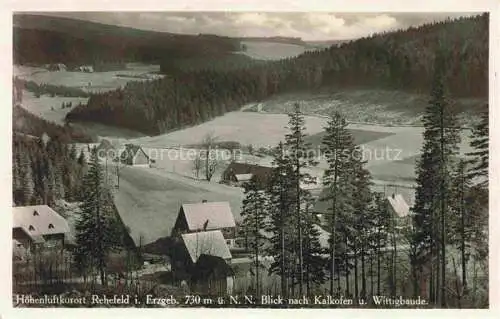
(243, 159)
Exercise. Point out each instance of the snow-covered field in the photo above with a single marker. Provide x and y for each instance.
(263, 50)
(149, 200)
(91, 82)
(49, 108)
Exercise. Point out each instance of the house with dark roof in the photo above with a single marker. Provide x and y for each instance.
(238, 173)
(39, 225)
(203, 258)
(206, 216)
(134, 155)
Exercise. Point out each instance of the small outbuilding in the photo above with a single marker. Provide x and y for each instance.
(134, 155)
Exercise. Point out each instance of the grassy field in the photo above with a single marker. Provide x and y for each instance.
(91, 82)
(149, 200)
(385, 148)
(360, 137)
(263, 50)
(260, 130)
(49, 108)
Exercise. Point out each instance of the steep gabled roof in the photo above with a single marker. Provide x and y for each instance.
(131, 151)
(39, 220)
(208, 215)
(210, 243)
(399, 205)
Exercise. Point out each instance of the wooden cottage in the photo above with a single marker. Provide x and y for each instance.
(238, 173)
(134, 155)
(206, 216)
(39, 226)
(203, 258)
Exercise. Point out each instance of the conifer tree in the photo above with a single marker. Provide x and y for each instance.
(462, 205)
(480, 142)
(28, 186)
(338, 146)
(97, 231)
(281, 229)
(380, 229)
(441, 137)
(300, 158)
(254, 222)
(362, 216)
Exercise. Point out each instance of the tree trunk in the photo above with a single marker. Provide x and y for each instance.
(332, 251)
(356, 286)
(378, 264)
(462, 235)
(257, 222)
(346, 260)
(371, 276)
(363, 273)
(443, 212)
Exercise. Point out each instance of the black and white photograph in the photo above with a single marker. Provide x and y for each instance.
(250, 159)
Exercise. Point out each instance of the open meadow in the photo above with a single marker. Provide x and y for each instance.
(384, 147)
(50, 108)
(89, 81)
(264, 50)
(149, 200)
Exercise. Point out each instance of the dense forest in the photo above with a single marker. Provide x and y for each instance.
(26, 123)
(44, 171)
(401, 60)
(42, 39)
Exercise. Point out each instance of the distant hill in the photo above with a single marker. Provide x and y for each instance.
(401, 60)
(286, 40)
(41, 39)
(326, 43)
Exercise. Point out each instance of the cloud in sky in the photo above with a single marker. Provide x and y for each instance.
(308, 26)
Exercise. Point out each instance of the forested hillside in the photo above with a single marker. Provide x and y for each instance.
(404, 59)
(45, 171)
(27, 123)
(401, 60)
(43, 39)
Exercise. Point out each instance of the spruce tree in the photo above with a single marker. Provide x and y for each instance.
(362, 216)
(300, 158)
(337, 146)
(462, 205)
(280, 204)
(378, 235)
(480, 142)
(97, 230)
(441, 137)
(27, 183)
(254, 222)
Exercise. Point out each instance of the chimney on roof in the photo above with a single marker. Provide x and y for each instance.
(393, 196)
(203, 200)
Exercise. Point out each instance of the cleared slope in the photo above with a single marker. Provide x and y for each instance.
(148, 200)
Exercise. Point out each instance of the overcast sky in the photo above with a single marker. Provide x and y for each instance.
(308, 26)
